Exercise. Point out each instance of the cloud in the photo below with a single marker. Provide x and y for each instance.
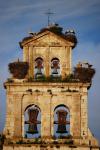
(90, 52)
(62, 9)
(35, 9)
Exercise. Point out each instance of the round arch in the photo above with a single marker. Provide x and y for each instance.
(39, 56)
(61, 105)
(55, 58)
(29, 103)
(32, 105)
(61, 120)
(32, 121)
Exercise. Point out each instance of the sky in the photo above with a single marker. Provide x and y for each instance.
(19, 17)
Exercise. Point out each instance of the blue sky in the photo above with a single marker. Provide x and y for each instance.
(18, 17)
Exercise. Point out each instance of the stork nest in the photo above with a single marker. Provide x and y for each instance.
(18, 69)
(84, 74)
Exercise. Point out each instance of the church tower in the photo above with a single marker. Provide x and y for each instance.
(46, 99)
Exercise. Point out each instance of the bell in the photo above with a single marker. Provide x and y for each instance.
(39, 66)
(61, 129)
(55, 71)
(62, 122)
(33, 114)
(32, 129)
(39, 72)
(55, 66)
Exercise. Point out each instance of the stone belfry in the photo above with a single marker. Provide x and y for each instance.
(46, 98)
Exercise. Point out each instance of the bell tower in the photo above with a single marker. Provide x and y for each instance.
(46, 98)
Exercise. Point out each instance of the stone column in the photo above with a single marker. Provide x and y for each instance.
(70, 59)
(25, 54)
(31, 68)
(52, 116)
(84, 117)
(71, 117)
(46, 117)
(9, 127)
(33, 61)
(76, 118)
(65, 62)
(23, 125)
(18, 114)
(47, 63)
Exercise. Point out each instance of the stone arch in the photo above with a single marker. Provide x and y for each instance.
(61, 120)
(29, 102)
(39, 56)
(31, 105)
(62, 105)
(32, 121)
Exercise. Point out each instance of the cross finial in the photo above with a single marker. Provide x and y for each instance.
(49, 13)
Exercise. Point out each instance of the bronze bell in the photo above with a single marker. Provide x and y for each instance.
(39, 71)
(32, 129)
(39, 66)
(61, 129)
(33, 114)
(55, 71)
(62, 122)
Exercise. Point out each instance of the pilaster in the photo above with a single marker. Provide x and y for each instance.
(31, 67)
(9, 127)
(25, 54)
(70, 60)
(84, 118)
(46, 116)
(47, 63)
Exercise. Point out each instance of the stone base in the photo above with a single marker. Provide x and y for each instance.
(50, 144)
(48, 147)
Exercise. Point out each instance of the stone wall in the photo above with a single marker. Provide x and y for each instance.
(48, 47)
(48, 147)
(46, 96)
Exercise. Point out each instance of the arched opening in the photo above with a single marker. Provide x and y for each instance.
(61, 121)
(32, 122)
(39, 67)
(55, 67)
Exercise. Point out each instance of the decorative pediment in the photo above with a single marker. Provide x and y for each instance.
(47, 39)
